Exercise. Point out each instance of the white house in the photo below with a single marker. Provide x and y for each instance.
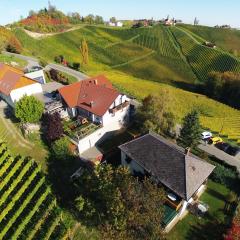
(119, 24)
(36, 74)
(182, 174)
(115, 24)
(14, 85)
(96, 100)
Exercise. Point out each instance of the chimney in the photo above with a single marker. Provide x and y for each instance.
(91, 103)
(187, 150)
(95, 81)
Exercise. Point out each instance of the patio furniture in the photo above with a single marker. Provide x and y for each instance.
(82, 120)
(172, 197)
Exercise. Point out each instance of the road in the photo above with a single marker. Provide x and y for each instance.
(34, 62)
(212, 150)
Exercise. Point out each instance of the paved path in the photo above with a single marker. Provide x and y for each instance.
(212, 150)
(80, 76)
(34, 62)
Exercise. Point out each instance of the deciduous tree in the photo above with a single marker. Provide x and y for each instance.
(29, 109)
(54, 127)
(122, 206)
(61, 149)
(84, 51)
(155, 114)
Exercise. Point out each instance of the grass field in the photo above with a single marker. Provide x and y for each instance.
(210, 226)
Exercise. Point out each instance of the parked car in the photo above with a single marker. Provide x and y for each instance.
(233, 151)
(222, 146)
(206, 135)
(215, 140)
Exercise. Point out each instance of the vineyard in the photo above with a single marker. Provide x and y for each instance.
(28, 209)
(226, 39)
(202, 59)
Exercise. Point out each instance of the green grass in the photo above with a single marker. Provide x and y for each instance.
(209, 227)
(32, 147)
(8, 59)
(110, 47)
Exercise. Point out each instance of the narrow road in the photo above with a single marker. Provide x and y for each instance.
(34, 62)
(80, 76)
(212, 150)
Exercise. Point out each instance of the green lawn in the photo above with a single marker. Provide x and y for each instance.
(18, 145)
(209, 227)
(8, 59)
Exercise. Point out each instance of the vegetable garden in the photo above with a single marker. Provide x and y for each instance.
(28, 209)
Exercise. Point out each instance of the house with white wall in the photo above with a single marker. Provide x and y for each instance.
(115, 24)
(36, 74)
(96, 100)
(182, 174)
(14, 85)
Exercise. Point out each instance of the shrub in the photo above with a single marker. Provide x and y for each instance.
(53, 125)
(43, 62)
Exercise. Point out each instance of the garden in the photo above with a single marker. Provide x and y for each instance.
(211, 226)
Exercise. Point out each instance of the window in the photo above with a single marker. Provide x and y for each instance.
(128, 160)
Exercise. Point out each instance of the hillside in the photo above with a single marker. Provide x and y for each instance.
(113, 48)
(9, 41)
(28, 209)
(145, 61)
(227, 39)
(204, 59)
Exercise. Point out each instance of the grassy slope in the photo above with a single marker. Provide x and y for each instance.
(227, 39)
(204, 59)
(159, 63)
(109, 48)
(8, 59)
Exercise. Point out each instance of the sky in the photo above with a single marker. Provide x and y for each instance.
(208, 12)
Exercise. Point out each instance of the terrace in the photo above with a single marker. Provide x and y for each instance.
(77, 131)
(119, 107)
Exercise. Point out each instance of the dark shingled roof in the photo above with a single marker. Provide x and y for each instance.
(168, 164)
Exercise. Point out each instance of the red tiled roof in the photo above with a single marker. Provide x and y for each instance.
(12, 78)
(94, 94)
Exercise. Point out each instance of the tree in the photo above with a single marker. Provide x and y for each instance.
(224, 87)
(29, 109)
(113, 20)
(31, 13)
(99, 19)
(196, 21)
(190, 134)
(155, 114)
(84, 51)
(54, 127)
(121, 205)
(89, 19)
(61, 149)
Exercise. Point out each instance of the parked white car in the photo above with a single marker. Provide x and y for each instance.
(206, 135)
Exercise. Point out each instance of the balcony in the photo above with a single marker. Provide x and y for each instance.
(77, 131)
(119, 107)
